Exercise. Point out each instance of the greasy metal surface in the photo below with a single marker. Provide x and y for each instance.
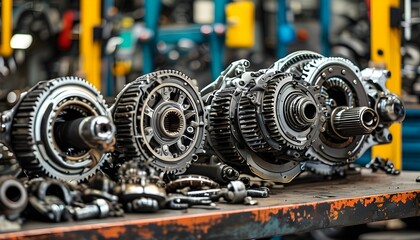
(302, 206)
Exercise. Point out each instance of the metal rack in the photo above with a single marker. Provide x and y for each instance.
(303, 206)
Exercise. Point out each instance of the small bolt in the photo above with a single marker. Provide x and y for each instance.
(355, 82)
(343, 72)
(418, 179)
(190, 129)
(349, 153)
(330, 70)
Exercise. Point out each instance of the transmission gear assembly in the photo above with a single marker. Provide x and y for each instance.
(160, 118)
(60, 128)
(305, 109)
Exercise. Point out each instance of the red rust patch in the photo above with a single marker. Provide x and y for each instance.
(112, 232)
(145, 233)
(264, 215)
(403, 197)
(368, 201)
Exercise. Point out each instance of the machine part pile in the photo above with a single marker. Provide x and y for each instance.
(164, 144)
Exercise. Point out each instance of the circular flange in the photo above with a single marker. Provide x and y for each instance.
(160, 117)
(340, 85)
(292, 112)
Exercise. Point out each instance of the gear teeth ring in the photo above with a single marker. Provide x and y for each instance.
(220, 127)
(35, 145)
(250, 129)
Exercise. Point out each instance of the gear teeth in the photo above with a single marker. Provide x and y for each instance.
(249, 127)
(269, 113)
(220, 124)
(295, 62)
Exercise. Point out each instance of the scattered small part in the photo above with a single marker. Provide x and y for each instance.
(48, 199)
(179, 201)
(236, 192)
(204, 193)
(99, 208)
(137, 189)
(385, 165)
(219, 172)
(261, 192)
(13, 197)
(192, 182)
(418, 179)
(250, 201)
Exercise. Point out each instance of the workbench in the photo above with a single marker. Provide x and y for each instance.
(304, 205)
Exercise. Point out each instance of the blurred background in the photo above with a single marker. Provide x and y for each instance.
(112, 42)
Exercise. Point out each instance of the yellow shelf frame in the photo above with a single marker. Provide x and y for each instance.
(7, 27)
(90, 50)
(385, 52)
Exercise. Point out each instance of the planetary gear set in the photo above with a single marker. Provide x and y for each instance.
(306, 111)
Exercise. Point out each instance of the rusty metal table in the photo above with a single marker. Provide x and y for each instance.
(302, 206)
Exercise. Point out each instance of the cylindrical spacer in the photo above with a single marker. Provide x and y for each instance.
(348, 122)
(301, 112)
(13, 197)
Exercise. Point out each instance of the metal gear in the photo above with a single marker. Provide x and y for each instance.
(249, 126)
(36, 134)
(221, 128)
(292, 113)
(160, 117)
(238, 133)
(340, 84)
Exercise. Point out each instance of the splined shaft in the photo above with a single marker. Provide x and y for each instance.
(347, 122)
(87, 132)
